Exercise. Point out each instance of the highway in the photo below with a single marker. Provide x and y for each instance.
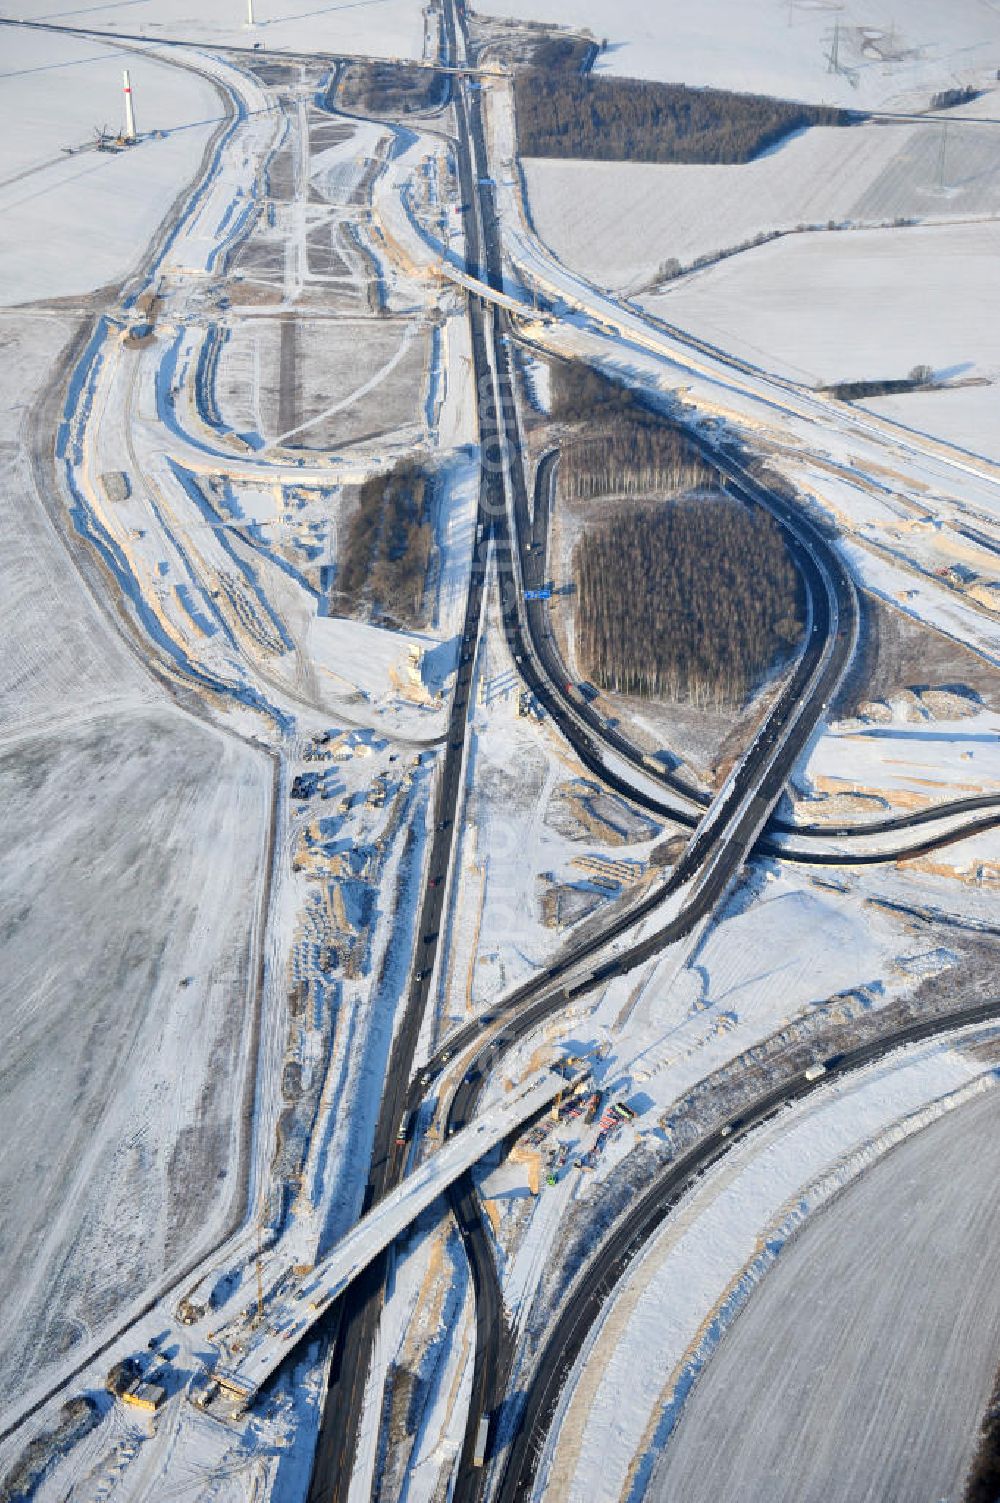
(720, 846)
(722, 841)
(587, 731)
(596, 1283)
(725, 834)
(357, 1314)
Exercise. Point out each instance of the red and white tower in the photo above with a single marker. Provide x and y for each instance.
(129, 112)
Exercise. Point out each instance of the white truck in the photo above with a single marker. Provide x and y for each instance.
(482, 1435)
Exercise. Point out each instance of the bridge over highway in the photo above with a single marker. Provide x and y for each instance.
(251, 1350)
(490, 294)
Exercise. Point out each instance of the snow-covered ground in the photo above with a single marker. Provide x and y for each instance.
(861, 1365)
(904, 500)
(74, 223)
(692, 1280)
(533, 821)
(863, 306)
(382, 28)
(783, 952)
(60, 660)
(824, 305)
(139, 833)
(909, 764)
(768, 46)
(134, 853)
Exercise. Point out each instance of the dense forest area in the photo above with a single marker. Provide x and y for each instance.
(388, 89)
(386, 547)
(630, 459)
(561, 113)
(624, 448)
(983, 1482)
(686, 600)
(578, 392)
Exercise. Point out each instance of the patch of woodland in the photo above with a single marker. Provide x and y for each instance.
(921, 378)
(580, 393)
(694, 599)
(387, 546)
(379, 88)
(617, 446)
(562, 112)
(949, 98)
(563, 54)
(529, 44)
(630, 459)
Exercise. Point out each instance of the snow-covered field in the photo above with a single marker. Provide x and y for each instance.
(966, 416)
(685, 1290)
(909, 764)
(73, 223)
(864, 175)
(860, 1367)
(59, 658)
(133, 854)
(384, 28)
(847, 307)
(896, 56)
(133, 850)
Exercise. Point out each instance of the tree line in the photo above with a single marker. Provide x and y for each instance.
(561, 113)
(386, 546)
(630, 459)
(983, 1482)
(624, 449)
(687, 599)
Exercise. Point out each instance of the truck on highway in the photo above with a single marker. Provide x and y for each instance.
(482, 1436)
(405, 1124)
(815, 1071)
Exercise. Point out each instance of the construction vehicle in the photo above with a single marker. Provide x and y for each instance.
(147, 1396)
(202, 1389)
